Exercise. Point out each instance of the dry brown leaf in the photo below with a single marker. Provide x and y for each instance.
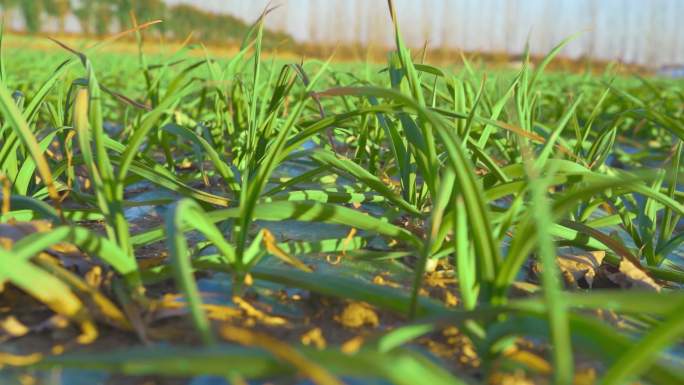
(611, 317)
(582, 265)
(576, 266)
(18, 230)
(15, 231)
(67, 303)
(630, 275)
(101, 306)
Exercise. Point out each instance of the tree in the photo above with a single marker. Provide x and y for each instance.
(102, 17)
(84, 13)
(122, 11)
(58, 9)
(7, 4)
(31, 11)
(97, 16)
(147, 10)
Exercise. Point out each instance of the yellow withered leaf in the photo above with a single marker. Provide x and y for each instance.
(257, 314)
(104, 307)
(13, 327)
(94, 277)
(281, 350)
(6, 192)
(358, 314)
(19, 360)
(352, 345)
(530, 360)
(348, 240)
(272, 247)
(314, 337)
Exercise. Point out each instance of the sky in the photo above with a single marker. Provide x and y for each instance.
(649, 32)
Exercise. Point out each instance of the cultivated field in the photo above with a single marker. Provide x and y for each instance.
(179, 218)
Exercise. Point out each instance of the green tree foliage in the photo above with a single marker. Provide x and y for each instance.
(84, 12)
(58, 9)
(122, 10)
(95, 16)
(100, 17)
(31, 11)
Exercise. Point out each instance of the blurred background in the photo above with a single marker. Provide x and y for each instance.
(649, 33)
